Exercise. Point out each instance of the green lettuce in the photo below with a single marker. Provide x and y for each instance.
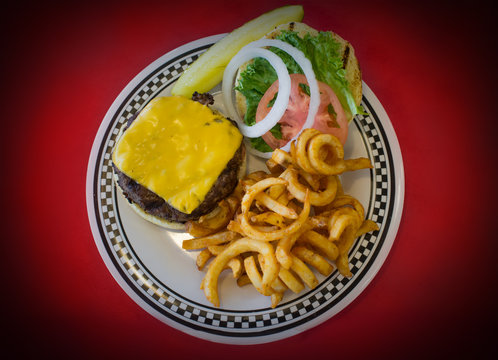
(322, 51)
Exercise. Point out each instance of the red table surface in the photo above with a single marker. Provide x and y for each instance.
(432, 66)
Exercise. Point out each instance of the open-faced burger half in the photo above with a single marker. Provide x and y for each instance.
(338, 77)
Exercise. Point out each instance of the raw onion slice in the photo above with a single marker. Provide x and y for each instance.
(245, 54)
(307, 68)
(284, 88)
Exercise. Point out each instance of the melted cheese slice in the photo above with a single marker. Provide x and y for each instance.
(177, 148)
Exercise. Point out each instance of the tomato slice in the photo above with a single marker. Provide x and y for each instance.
(329, 119)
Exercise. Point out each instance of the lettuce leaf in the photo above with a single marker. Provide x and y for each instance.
(253, 83)
(322, 51)
(259, 144)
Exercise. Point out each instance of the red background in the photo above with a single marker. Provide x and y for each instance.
(432, 66)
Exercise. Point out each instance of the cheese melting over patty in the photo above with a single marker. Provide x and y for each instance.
(177, 148)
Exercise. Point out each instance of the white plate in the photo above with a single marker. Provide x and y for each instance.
(150, 265)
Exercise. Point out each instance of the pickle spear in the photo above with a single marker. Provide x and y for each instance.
(207, 71)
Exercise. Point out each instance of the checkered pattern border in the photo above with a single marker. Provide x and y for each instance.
(322, 298)
(155, 85)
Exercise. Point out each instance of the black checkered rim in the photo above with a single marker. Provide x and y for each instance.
(230, 323)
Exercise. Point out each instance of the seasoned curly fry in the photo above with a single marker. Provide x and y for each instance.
(280, 227)
(276, 206)
(304, 272)
(366, 227)
(203, 258)
(300, 156)
(318, 153)
(327, 247)
(290, 280)
(254, 275)
(269, 217)
(254, 233)
(210, 282)
(317, 198)
(214, 239)
(284, 245)
(311, 258)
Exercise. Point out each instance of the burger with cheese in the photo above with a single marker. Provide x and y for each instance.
(177, 159)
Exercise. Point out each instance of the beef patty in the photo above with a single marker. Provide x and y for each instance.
(154, 205)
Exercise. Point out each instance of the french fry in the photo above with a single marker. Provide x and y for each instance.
(283, 249)
(347, 200)
(197, 230)
(241, 245)
(257, 176)
(284, 198)
(281, 158)
(236, 265)
(254, 275)
(301, 153)
(277, 284)
(264, 232)
(275, 206)
(274, 167)
(276, 191)
(202, 258)
(217, 218)
(313, 259)
(214, 239)
(342, 264)
(251, 231)
(304, 272)
(298, 190)
(366, 227)
(344, 224)
(327, 247)
(217, 249)
(293, 283)
(235, 226)
(312, 180)
(340, 220)
(340, 189)
(346, 241)
(336, 163)
(319, 221)
(357, 164)
(269, 217)
(243, 280)
(276, 297)
(255, 278)
(214, 221)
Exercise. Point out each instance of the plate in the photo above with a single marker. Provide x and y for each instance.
(152, 268)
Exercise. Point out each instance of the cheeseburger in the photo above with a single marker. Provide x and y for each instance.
(177, 159)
